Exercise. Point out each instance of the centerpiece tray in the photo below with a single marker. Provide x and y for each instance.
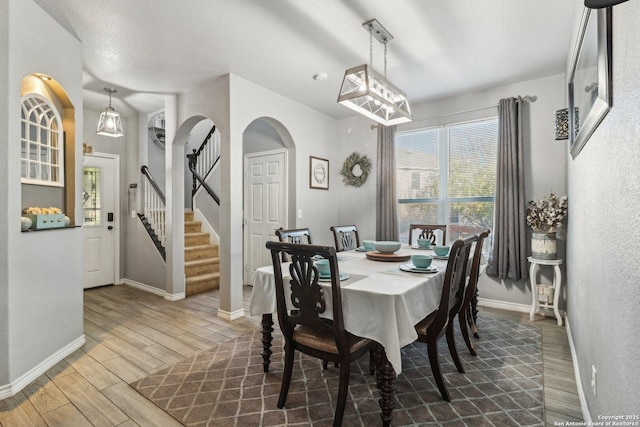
(379, 256)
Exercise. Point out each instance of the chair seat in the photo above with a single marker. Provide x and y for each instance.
(421, 327)
(325, 342)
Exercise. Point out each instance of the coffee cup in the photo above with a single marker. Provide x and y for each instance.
(424, 243)
(421, 261)
(323, 267)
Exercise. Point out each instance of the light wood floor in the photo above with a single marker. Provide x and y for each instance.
(131, 333)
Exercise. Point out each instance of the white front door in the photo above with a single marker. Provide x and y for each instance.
(265, 206)
(99, 224)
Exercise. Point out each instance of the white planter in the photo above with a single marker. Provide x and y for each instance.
(543, 245)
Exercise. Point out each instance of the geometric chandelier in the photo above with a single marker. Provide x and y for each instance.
(109, 123)
(368, 92)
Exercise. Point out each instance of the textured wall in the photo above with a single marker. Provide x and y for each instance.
(4, 208)
(603, 235)
(44, 286)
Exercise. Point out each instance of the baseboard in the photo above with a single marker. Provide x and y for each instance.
(144, 287)
(504, 305)
(11, 389)
(512, 306)
(230, 315)
(586, 416)
(174, 297)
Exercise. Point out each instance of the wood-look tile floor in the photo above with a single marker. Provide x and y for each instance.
(131, 333)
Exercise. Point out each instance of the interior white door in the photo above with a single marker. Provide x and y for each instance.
(99, 178)
(265, 206)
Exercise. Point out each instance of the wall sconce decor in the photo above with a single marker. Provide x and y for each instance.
(561, 126)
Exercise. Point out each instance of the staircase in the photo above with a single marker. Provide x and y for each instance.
(201, 260)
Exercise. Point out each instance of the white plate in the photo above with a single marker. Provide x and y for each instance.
(422, 248)
(413, 269)
(343, 276)
(444, 257)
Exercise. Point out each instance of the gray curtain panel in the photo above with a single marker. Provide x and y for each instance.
(509, 254)
(386, 200)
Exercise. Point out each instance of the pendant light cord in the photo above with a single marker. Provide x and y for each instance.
(371, 45)
(385, 58)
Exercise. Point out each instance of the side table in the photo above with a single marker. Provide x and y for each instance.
(540, 294)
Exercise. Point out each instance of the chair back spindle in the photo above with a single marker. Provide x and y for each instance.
(345, 237)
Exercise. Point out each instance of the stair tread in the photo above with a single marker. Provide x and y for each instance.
(203, 277)
(200, 261)
(199, 247)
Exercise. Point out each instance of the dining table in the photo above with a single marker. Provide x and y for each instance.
(381, 300)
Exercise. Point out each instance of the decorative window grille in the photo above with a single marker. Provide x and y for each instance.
(41, 142)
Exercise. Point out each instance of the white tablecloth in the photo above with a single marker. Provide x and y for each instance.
(379, 301)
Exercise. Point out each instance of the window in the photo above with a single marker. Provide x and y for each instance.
(91, 195)
(455, 167)
(41, 143)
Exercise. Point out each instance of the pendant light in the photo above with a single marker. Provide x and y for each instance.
(368, 92)
(110, 123)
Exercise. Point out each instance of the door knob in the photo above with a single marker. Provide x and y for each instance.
(110, 227)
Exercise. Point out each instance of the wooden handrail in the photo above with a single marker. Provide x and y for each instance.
(145, 171)
(201, 181)
(197, 178)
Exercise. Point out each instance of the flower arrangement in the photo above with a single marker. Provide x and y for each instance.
(546, 214)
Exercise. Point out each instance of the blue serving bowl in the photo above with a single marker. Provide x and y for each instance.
(386, 247)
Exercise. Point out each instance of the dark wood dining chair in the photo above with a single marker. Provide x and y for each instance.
(431, 328)
(427, 231)
(303, 328)
(293, 235)
(463, 307)
(346, 237)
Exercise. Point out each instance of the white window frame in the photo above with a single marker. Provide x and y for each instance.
(443, 202)
(54, 154)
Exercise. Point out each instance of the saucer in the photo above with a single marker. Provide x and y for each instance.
(444, 257)
(363, 249)
(413, 269)
(327, 278)
(422, 248)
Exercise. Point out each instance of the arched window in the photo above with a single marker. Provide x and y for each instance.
(41, 142)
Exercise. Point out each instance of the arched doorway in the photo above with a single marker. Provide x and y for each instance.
(175, 184)
(269, 190)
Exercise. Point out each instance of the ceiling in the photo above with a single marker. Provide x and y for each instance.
(148, 48)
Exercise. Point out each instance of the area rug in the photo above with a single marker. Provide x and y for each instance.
(225, 386)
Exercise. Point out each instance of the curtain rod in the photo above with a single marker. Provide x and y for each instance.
(526, 98)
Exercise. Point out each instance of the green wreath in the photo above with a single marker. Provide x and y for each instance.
(355, 176)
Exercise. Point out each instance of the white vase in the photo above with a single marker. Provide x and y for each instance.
(543, 245)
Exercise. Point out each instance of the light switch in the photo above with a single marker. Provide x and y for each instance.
(299, 213)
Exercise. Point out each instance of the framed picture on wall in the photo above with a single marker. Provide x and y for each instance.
(318, 173)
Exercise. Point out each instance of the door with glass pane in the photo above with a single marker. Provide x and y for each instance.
(98, 220)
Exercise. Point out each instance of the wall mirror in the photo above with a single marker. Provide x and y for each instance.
(589, 76)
